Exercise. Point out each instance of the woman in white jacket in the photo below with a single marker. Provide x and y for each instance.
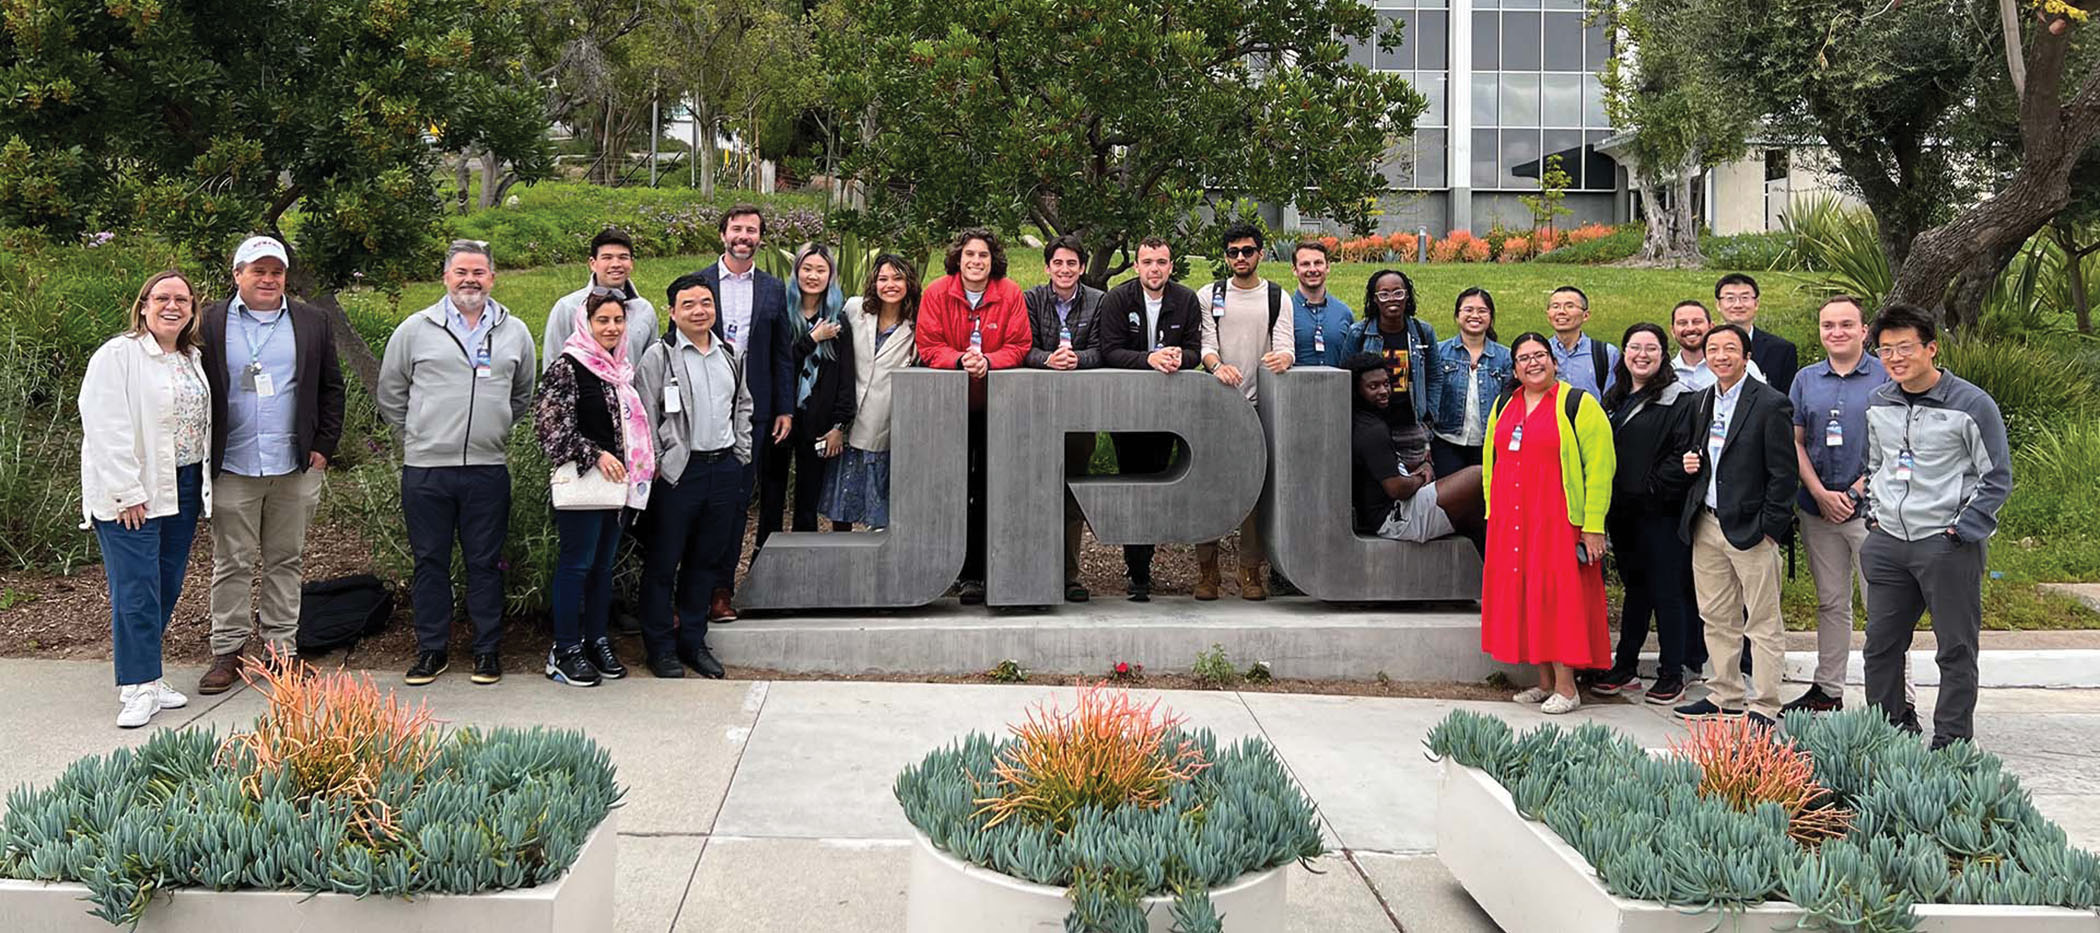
(857, 488)
(145, 417)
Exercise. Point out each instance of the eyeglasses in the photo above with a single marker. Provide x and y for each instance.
(1535, 357)
(1240, 252)
(1897, 351)
(1395, 293)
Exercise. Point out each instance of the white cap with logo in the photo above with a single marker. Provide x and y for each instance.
(257, 247)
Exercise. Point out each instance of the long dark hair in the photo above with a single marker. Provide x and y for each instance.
(1529, 336)
(1371, 292)
(1460, 302)
(1622, 388)
(908, 310)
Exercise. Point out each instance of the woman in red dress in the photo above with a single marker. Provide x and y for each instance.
(1548, 481)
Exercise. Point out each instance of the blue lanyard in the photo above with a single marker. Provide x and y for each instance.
(269, 331)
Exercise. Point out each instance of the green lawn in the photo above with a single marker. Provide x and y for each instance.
(1618, 297)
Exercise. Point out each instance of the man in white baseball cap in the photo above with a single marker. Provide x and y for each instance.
(277, 415)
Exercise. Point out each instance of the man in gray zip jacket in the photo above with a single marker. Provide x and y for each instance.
(455, 378)
(1938, 470)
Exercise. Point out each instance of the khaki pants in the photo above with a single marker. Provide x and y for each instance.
(1728, 582)
(258, 526)
(1833, 557)
(1251, 554)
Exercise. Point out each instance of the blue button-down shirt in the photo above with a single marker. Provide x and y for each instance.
(1578, 367)
(260, 430)
(1331, 318)
(469, 337)
(1820, 396)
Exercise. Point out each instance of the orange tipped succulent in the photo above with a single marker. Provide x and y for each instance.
(1744, 765)
(1109, 750)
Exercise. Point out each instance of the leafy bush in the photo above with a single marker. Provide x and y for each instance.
(1597, 244)
(1198, 828)
(2053, 478)
(1749, 252)
(503, 809)
(1515, 249)
(553, 222)
(1213, 668)
(1946, 826)
(2035, 385)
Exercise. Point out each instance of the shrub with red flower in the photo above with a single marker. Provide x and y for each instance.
(1126, 672)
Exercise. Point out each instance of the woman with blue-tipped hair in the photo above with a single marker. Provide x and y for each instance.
(824, 395)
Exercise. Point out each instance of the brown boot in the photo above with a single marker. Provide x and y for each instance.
(1207, 579)
(719, 609)
(225, 672)
(1251, 586)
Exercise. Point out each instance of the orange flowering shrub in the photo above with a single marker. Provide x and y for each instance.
(1546, 239)
(1405, 245)
(1447, 249)
(333, 736)
(1332, 243)
(1515, 249)
(1586, 233)
(1744, 765)
(1109, 751)
(1474, 250)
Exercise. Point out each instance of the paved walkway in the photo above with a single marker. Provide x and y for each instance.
(766, 807)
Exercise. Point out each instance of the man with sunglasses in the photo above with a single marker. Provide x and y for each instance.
(1938, 470)
(612, 270)
(1243, 327)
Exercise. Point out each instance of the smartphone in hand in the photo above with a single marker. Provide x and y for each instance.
(1582, 553)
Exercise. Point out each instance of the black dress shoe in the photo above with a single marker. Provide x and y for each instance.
(1141, 592)
(602, 656)
(429, 664)
(666, 666)
(488, 668)
(1074, 593)
(703, 662)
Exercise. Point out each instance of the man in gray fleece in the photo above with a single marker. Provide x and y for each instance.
(456, 377)
(1937, 472)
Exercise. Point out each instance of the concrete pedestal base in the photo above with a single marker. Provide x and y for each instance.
(948, 895)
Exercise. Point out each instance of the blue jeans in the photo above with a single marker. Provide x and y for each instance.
(582, 588)
(473, 503)
(145, 568)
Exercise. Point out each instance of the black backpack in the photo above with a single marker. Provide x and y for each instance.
(338, 613)
(1217, 301)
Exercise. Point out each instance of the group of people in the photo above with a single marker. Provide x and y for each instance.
(1693, 468)
(1548, 452)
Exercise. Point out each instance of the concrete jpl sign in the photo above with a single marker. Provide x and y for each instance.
(1290, 460)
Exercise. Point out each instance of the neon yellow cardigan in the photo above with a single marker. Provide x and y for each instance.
(1587, 459)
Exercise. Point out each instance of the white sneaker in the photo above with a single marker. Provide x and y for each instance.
(169, 699)
(1532, 695)
(1557, 704)
(140, 701)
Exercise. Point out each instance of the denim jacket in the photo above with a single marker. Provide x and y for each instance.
(1496, 367)
(1422, 361)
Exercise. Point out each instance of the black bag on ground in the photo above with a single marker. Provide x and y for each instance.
(337, 613)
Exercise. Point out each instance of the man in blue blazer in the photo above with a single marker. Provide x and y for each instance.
(754, 322)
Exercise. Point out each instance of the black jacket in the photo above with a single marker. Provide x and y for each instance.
(318, 421)
(831, 402)
(1120, 327)
(1759, 474)
(1776, 358)
(1650, 440)
(768, 353)
(1043, 328)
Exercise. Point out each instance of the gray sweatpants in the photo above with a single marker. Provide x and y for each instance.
(1905, 579)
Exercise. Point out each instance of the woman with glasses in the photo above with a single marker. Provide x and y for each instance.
(824, 395)
(145, 448)
(1547, 472)
(1475, 368)
(589, 416)
(857, 489)
(1391, 331)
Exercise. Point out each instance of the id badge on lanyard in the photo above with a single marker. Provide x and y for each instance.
(1906, 463)
(483, 368)
(1716, 437)
(1834, 431)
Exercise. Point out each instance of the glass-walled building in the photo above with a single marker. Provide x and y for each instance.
(1510, 84)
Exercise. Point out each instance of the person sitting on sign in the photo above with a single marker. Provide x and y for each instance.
(1397, 493)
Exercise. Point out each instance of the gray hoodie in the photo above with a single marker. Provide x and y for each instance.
(1960, 471)
(428, 391)
(641, 323)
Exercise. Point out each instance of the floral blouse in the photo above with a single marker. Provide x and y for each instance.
(554, 418)
(192, 414)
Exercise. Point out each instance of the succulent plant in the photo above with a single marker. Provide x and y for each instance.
(1177, 830)
(1947, 826)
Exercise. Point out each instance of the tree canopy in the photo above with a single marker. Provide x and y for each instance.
(1107, 119)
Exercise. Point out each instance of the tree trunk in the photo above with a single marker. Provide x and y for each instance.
(349, 344)
(704, 118)
(491, 168)
(1655, 241)
(464, 177)
(2074, 273)
(1684, 240)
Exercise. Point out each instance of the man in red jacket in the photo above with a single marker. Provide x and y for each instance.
(974, 319)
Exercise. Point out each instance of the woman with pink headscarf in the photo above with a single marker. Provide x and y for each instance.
(589, 416)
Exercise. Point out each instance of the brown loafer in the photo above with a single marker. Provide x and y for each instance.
(225, 672)
(718, 609)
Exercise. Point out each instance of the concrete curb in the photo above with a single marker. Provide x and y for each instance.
(2012, 667)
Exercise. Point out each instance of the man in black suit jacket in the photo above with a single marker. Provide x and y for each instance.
(1743, 484)
(753, 309)
(1776, 357)
(1061, 319)
(1149, 322)
(265, 491)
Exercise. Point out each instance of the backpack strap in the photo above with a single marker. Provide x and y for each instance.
(1217, 300)
(1573, 405)
(1600, 366)
(1275, 305)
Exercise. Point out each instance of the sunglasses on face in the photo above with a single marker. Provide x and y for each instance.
(1241, 252)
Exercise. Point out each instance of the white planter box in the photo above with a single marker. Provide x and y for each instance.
(949, 895)
(1530, 881)
(580, 900)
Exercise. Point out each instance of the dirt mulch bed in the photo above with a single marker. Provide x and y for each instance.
(1431, 690)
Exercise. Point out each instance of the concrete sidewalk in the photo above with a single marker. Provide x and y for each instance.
(766, 807)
